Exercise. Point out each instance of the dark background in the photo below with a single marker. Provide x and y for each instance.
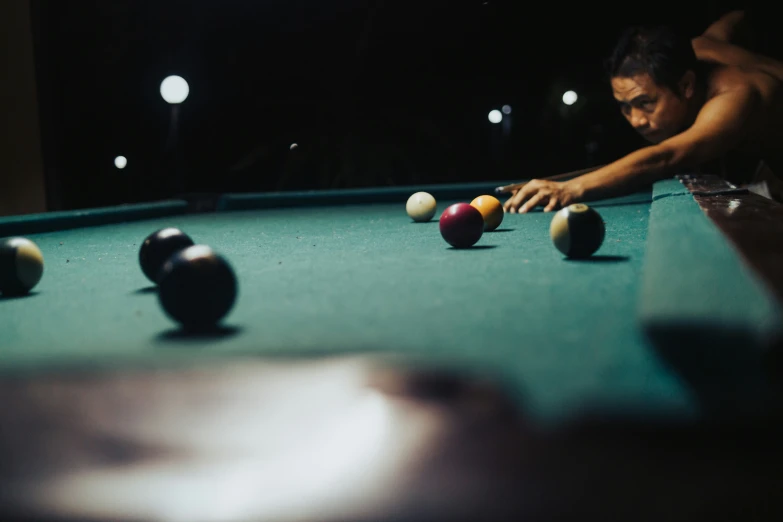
(375, 93)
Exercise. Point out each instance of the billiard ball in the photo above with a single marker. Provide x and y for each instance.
(461, 225)
(158, 247)
(197, 287)
(491, 210)
(577, 230)
(21, 266)
(421, 207)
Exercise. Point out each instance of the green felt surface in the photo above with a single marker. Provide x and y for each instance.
(709, 314)
(566, 336)
(363, 278)
(694, 275)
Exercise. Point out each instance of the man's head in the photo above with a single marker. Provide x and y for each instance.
(653, 73)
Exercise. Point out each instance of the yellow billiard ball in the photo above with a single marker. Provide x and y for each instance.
(421, 207)
(491, 210)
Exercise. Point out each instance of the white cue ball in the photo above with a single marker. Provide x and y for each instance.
(421, 207)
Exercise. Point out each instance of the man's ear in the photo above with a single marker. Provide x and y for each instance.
(688, 85)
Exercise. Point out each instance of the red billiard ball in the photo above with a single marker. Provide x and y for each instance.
(461, 225)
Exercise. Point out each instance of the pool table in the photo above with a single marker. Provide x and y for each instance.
(369, 371)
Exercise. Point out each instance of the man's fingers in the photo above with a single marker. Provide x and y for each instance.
(529, 196)
(552, 205)
(509, 201)
(520, 198)
(513, 202)
(532, 202)
(523, 195)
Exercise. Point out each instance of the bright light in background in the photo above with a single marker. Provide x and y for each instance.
(495, 116)
(174, 89)
(569, 97)
(294, 146)
(507, 109)
(120, 162)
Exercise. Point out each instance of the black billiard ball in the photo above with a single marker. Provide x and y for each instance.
(577, 230)
(461, 225)
(158, 247)
(21, 266)
(197, 287)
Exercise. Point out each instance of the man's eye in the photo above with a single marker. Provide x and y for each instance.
(648, 105)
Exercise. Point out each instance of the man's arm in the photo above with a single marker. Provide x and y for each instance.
(728, 28)
(729, 41)
(719, 127)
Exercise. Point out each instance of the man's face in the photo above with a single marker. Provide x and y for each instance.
(654, 111)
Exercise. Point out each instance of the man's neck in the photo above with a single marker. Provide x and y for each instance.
(697, 102)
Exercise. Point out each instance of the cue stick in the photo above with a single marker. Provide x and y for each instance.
(517, 186)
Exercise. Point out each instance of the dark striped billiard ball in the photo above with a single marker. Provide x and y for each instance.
(197, 287)
(577, 231)
(21, 266)
(158, 247)
(461, 225)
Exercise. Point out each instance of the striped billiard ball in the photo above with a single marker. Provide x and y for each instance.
(197, 287)
(158, 247)
(21, 266)
(577, 231)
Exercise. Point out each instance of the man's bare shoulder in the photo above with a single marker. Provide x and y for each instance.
(761, 97)
(722, 79)
(718, 53)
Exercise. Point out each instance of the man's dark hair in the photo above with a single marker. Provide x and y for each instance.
(660, 51)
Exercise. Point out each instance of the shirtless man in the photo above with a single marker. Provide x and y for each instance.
(708, 97)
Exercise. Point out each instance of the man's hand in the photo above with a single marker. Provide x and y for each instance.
(552, 195)
(723, 121)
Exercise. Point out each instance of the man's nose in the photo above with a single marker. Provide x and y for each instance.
(638, 119)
